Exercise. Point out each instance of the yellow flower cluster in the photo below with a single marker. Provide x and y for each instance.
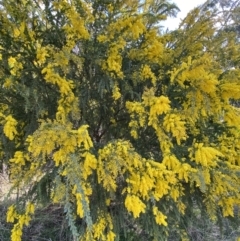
(65, 87)
(184, 171)
(11, 62)
(171, 162)
(80, 200)
(198, 74)
(151, 50)
(136, 109)
(102, 38)
(19, 31)
(152, 179)
(205, 156)
(229, 148)
(18, 159)
(52, 135)
(116, 92)
(11, 214)
(232, 116)
(158, 106)
(22, 219)
(135, 205)
(146, 73)
(141, 183)
(61, 59)
(173, 123)
(228, 204)
(108, 168)
(230, 90)
(76, 29)
(131, 27)
(8, 83)
(159, 217)
(102, 229)
(9, 128)
(154, 48)
(68, 141)
(113, 64)
(119, 157)
(15, 65)
(90, 163)
(84, 138)
(42, 54)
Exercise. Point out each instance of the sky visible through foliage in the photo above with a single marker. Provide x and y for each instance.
(185, 6)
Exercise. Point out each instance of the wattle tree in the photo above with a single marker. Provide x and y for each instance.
(127, 126)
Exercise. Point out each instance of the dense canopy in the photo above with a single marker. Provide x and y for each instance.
(128, 126)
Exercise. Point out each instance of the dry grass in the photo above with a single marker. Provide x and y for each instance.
(49, 224)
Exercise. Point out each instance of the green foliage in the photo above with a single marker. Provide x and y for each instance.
(129, 128)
